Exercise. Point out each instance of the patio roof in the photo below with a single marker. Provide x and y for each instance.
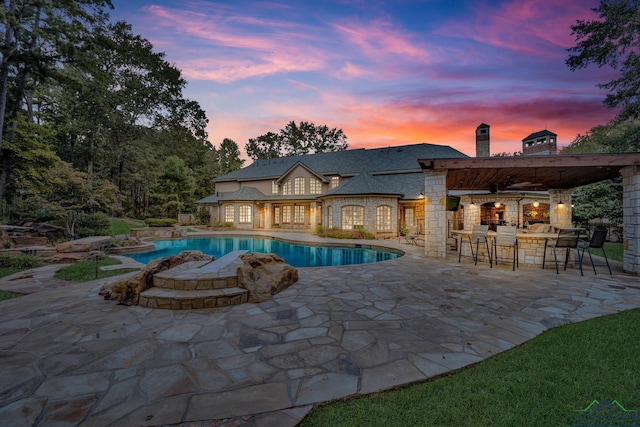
(530, 172)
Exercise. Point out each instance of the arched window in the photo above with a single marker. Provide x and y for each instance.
(383, 218)
(352, 217)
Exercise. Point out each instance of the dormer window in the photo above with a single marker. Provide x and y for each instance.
(335, 181)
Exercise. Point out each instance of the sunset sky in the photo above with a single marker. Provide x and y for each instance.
(385, 72)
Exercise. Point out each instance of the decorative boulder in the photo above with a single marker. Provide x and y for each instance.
(86, 244)
(127, 291)
(264, 275)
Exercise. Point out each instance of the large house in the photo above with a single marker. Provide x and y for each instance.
(378, 190)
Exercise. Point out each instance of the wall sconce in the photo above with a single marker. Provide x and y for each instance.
(496, 204)
(421, 195)
(536, 204)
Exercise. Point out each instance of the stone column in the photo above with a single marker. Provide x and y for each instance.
(267, 216)
(560, 214)
(435, 213)
(631, 218)
(313, 216)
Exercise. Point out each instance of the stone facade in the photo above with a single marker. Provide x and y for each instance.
(435, 211)
(631, 210)
(333, 207)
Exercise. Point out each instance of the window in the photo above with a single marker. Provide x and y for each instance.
(383, 218)
(298, 214)
(228, 213)
(315, 186)
(276, 215)
(286, 214)
(352, 217)
(286, 188)
(274, 187)
(244, 214)
(335, 181)
(409, 217)
(330, 216)
(298, 185)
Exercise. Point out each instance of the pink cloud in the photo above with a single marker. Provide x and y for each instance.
(258, 47)
(523, 25)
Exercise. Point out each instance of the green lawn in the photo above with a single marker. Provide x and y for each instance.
(86, 270)
(614, 251)
(8, 271)
(538, 383)
(124, 225)
(8, 295)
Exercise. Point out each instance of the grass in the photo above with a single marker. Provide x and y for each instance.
(8, 271)
(86, 270)
(614, 251)
(8, 295)
(124, 225)
(538, 383)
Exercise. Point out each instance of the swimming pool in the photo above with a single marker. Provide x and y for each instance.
(294, 254)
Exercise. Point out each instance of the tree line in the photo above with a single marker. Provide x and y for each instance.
(93, 119)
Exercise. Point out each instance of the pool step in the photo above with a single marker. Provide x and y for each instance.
(197, 284)
(202, 275)
(187, 300)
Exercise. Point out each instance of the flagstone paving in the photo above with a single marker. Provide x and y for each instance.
(67, 357)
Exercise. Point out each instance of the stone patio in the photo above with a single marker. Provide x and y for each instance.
(70, 358)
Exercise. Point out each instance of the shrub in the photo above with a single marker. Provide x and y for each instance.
(204, 216)
(160, 222)
(21, 261)
(342, 234)
(97, 224)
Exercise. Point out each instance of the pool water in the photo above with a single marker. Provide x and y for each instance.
(294, 254)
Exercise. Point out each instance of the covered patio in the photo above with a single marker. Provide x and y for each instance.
(558, 175)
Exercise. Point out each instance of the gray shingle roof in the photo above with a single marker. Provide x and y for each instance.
(407, 185)
(539, 134)
(348, 162)
(241, 194)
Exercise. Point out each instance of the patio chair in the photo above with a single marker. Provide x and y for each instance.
(596, 242)
(506, 237)
(478, 236)
(413, 237)
(567, 239)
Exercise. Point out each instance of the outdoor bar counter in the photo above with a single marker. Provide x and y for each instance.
(530, 247)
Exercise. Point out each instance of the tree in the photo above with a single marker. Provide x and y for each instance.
(265, 146)
(118, 112)
(175, 188)
(296, 140)
(613, 40)
(309, 138)
(610, 138)
(38, 36)
(603, 200)
(228, 157)
(71, 194)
